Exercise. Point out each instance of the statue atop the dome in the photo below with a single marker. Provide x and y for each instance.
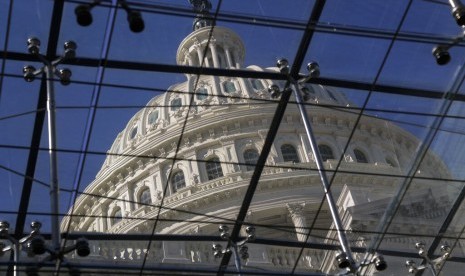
(201, 6)
(203, 19)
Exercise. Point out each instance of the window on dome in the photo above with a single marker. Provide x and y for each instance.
(201, 93)
(213, 168)
(326, 152)
(144, 197)
(116, 217)
(311, 89)
(178, 181)
(257, 84)
(250, 158)
(176, 104)
(133, 133)
(233, 60)
(360, 156)
(289, 153)
(390, 162)
(221, 54)
(331, 95)
(153, 117)
(229, 87)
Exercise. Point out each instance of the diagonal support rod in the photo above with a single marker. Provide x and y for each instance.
(323, 178)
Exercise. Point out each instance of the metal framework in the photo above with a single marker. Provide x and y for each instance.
(311, 27)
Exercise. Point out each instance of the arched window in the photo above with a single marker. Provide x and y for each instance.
(331, 95)
(250, 158)
(213, 168)
(133, 133)
(229, 87)
(221, 55)
(116, 217)
(153, 117)
(176, 104)
(144, 197)
(360, 156)
(233, 60)
(289, 153)
(178, 181)
(257, 84)
(201, 93)
(326, 152)
(390, 162)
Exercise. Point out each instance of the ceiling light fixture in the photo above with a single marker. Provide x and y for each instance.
(84, 15)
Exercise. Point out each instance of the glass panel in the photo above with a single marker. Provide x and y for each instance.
(420, 70)
(4, 9)
(360, 56)
(148, 150)
(38, 15)
(377, 15)
(271, 10)
(265, 44)
(85, 36)
(159, 40)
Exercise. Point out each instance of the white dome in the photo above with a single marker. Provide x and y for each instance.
(225, 130)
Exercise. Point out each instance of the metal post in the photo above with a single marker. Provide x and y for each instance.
(237, 260)
(15, 257)
(54, 196)
(324, 180)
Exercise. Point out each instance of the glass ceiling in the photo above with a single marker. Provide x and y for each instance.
(377, 53)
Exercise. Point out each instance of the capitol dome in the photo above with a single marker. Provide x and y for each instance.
(153, 182)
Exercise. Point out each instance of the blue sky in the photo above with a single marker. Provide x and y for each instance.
(409, 64)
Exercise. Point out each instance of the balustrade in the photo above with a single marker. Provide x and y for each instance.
(200, 253)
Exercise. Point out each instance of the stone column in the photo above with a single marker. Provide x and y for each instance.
(216, 62)
(189, 60)
(104, 221)
(228, 56)
(236, 59)
(296, 211)
(151, 183)
(129, 206)
(199, 53)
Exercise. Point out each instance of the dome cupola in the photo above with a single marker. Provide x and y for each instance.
(208, 46)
